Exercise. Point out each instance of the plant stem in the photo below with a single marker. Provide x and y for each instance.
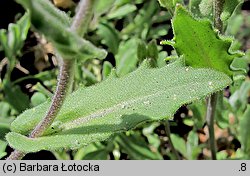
(218, 8)
(65, 77)
(212, 101)
(16, 155)
(83, 17)
(10, 67)
(167, 130)
(211, 108)
(65, 80)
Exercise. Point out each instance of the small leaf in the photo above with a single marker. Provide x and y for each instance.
(37, 98)
(5, 119)
(141, 51)
(110, 36)
(136, 148)
(13, 39)
(179, 144)
(169, 4)
(4, 128)
(204, 8)
(117, 104)
(24, 25)
(106, 70)
(68, 43)
(101, 154)
(198, 109)
(5, 109)
(142, 20)
(200, 44)
(15, 97)
(192, 145)
(88, 150)
(165, 3)
(3, 146)
(122, 11)
(229, 7)
(222, 112)
(244, 130)
(126, 59)
(102, 7)
(152, 52)
(239, 99)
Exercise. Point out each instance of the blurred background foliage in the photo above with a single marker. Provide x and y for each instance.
(130, 30)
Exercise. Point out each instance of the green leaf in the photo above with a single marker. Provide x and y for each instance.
(192, 145)
(5, 109)
(117, 104)
(153, 138)
(204, 8)
(200, 43)
(58, 32)
(13, 39)
(3, 146)
(198, 109)
(244, 130)
(169, 4)
(143, 20)
(122, 11)
(4, 128)
(87, 151)
(5, 119)
(222, 112)
(46, 6)
(239, 99)
(106, 70)
(126, 58)
(141, 51)
(235, 24)
(152, 52)
(110, 36)
(102, 7)
(101, 154)
(37, 98)
(165, 3)
(179, 144)
(229, 7)
(136, 148)
(15, 97)
(24, 25)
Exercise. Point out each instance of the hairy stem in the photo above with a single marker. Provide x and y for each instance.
(212, 101)
(65, 80)
(65, 77)
(16, 155)
(168, 132)
(83, 17)
(218, 8)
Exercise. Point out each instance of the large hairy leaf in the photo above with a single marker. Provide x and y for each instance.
(55, 25)
(117, 104)
(200, 43)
